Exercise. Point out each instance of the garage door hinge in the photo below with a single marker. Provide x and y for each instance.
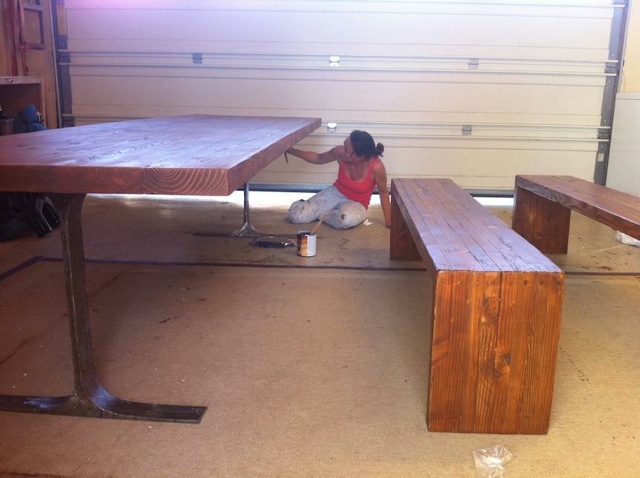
(604, 133)
(611, 68)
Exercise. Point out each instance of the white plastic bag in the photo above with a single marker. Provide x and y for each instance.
(490, 461)
(626, 239)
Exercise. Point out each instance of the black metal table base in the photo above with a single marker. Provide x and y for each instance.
(89, 397)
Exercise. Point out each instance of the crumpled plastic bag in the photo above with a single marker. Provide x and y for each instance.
(490, 461)
(626, 239)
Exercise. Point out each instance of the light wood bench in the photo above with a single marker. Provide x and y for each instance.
(543, 205)
(497, 306)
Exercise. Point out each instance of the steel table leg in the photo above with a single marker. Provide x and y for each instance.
(247, 229)
(89, 397)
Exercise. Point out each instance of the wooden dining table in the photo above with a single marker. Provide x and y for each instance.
(204, 155)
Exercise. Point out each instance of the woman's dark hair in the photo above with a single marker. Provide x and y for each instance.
(363, 145)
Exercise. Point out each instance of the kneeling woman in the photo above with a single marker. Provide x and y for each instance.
(360, 170)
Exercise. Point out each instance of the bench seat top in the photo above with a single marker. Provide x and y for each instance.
(614, 208)
(455, 232)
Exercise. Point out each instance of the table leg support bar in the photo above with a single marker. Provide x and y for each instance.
(89, 398)
(101, 404)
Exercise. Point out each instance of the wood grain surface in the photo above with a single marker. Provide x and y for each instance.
(497, 308)
(543, 205)
(192, 155)
(455, 232)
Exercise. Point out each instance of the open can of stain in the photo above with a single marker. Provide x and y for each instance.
(306, 243)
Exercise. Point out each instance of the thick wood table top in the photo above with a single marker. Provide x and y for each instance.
(192, 155)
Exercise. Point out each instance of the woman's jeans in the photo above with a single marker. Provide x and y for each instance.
(341, 212)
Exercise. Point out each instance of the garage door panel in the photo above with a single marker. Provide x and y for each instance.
(335, 96)
(458, 24)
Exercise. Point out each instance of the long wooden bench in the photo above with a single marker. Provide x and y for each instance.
(497, 306)
(543, 205)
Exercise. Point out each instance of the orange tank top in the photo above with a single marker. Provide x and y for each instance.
(359, 191)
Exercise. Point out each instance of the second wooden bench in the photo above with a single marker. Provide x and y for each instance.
(543, 205)
(497, 306)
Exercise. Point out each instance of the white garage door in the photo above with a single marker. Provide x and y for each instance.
(476, 91)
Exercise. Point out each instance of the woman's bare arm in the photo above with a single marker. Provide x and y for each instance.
(317, 158)
(380, 178)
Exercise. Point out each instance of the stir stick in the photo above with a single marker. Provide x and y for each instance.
(315, 228)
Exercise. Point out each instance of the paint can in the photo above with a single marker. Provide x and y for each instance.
(306, 242)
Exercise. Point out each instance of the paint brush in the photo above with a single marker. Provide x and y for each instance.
(315, 228)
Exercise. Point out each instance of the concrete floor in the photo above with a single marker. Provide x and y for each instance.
(308, 366)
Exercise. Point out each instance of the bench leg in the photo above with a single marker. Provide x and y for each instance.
(542, 222)
(401, 244)
(494, 349)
